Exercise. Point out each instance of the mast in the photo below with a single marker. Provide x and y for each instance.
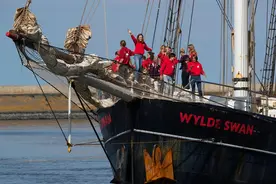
(240, 77)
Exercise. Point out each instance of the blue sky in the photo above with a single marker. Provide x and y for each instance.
(56, 16)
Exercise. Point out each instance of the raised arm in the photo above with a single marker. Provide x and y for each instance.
(132, 37)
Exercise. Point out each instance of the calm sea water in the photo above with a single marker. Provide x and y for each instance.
(36, 154)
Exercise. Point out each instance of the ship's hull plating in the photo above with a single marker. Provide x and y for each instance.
(207, 144)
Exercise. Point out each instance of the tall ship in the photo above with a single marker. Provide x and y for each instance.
(150, 136)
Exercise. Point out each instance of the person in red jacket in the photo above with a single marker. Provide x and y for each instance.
(115, 65)
(124, 54)
(196, 70)
(140, 47)
(167, 72)
(148, 61)
(161, 54)
(192, 51)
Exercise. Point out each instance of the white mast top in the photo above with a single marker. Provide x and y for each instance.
(240, 48)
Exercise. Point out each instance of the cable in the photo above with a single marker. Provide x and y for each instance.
(147, 7)
(156, 22)
(226, 17)
(48, 103)
(89, 21)
(191, 21)
(84, 9)
(145, 33)
(95, 131)
(90, 10)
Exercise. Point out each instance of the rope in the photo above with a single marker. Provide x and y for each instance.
(191, 22)
(105, 29)
(89, 21)
(84, 9)
(145, 16)
(90, 10)
(223, 12)
(181, 24)
(156, 22)
(95, 131)
(31, 68)
(164, 24)
(145, 33)
(28, 2)
(253, 15)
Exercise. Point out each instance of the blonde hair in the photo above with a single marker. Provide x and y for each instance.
(192, 49)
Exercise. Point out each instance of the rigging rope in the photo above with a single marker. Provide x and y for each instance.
(145, 16)
(90, 19)
(191, 22)
(225, 15)
(164, 24)
(156, 22)
(181, 24)
(145, 33)
(46, 99)
(95, 131)
(84, 9)
(90, 10)
(105, 29)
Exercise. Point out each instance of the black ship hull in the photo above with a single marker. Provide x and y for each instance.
(206, 143)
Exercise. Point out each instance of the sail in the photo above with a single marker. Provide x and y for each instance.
(77, 38)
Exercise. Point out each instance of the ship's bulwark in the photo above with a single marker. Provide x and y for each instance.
(209, 144)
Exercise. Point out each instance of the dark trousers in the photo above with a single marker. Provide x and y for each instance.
(124, 71)
(185, 79)
(195, 81)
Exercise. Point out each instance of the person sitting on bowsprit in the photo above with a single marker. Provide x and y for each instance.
(185, 73)
(167, 72)
(124, 55)
(195, 69)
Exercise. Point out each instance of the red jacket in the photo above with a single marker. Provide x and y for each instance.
(161, 57)
(140, 47)
(192, 54)
(115, 66)
(195, 68)
(125, 53)
(168, 66)
(146, 63)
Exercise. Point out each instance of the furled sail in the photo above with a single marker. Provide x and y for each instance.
(77, 38)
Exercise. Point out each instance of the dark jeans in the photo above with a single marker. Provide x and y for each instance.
(185, 79)
(194, 82)
(124, 71)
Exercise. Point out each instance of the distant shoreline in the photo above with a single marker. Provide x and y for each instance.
(28, 103)
(41, 115)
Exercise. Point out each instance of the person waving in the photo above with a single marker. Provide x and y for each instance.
(140, 47)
